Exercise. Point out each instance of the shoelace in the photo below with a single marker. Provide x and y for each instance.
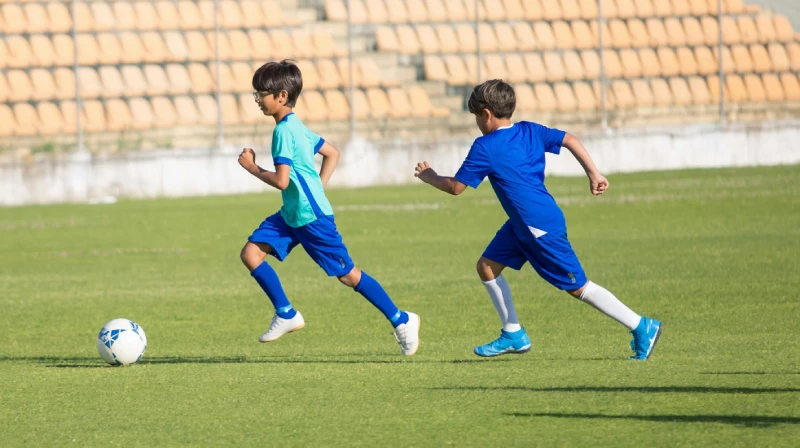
(398, 338)
(274, 323)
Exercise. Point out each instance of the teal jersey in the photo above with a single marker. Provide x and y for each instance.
(295, 145)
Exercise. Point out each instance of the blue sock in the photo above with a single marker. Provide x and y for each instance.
(271, 284)
(373, 291)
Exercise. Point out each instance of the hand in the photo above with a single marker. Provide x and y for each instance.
(423, 171)
(598, 184)
(247, 159)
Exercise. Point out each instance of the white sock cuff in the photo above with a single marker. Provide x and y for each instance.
(490, 282)
(587, 289)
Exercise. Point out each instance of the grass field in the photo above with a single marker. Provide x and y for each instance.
(712, 253)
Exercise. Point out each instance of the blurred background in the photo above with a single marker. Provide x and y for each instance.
(84, 80)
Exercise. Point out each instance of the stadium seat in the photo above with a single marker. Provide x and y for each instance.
(609, 9)
(223, 77)
(699, 90)
(45, 85)
(164, 114)
(112, 83)
(733, 6)
(554, 66)
(358, 12)
(221, 38)
(668, 62)
(783, 29)
(118, 115)
(417, 11)
(243, 76)
(260, 44)
(741, 59)
(386, 38)
(14, 18)
(544, 35)
(681, 7)
(582, 33)
(699, 8)
(563, 35)
(49, 119)
(240, 46)
(710, 30)
(230, 15)
(626, 9)
(535, 67)
(631, 67)
(316, 107)
(35, 17)
(471, 61)
(27, 120)
(207, 109)
(142, 116)
(400, 104)
(565, 98)
(494, 67)
(588, 9)
(642, 94)
(747, 30)
(180, 82)
(728, 65)
(168, 15)
(7, 124)
(436, 12)
(421, 103)
(766, 29)
(573, 66)
(517, 73)
(545, 97)
(124, 16)
(88, 50)
(486, 38)
(681, 94)
(20, 54)
(585, 96)
(612, 64)
(103, 16)
(661, 93)
(470, 7)
(230, 110)
(607, 41)
(551, 10)
(706, 62)
(514, 9)
(662, 8)
(186, 111)
(428, 40)
(686, 61)
(343, 65)
(60, 18)
(456, 70)
(281, 43)
(676, 37)
(755, 89)
(189, 16)
(311, 78)
(157, 80)
(791, 86)
(793, 49)
(772, 87)
(644, 8)
(730, 32)
(338, 106)
(19, 84)
(736, 87)
(93, 117)
(506, 41)
(69, 116)
(761, 59)
(407, 40)
(532, 10)
(42, 49)
(591, 63)
(693, 31)
(154, 48)
(650, 64)
(249, 112)
(622, 94)
(177, 48)
(324, 46)
(110, 49)
(132, 48)
(657, 32)
(526, 40)
(301, 42)
(135, 83)
(397, 12)
(378, 103)
(335, 10)
(202, 82)
(778, 57)
(638, 32)
(620, 37)
(146, 18)
(89, 81)
(526, 101)
(65, 83)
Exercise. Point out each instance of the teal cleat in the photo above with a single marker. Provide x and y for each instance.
(516, 342)
(645, 337)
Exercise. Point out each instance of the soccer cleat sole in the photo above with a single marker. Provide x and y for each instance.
(521, 351)
(290, 331)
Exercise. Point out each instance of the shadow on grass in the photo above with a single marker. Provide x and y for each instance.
(757, 421)
(750, 373)
(644, 389)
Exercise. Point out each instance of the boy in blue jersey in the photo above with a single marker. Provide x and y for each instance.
(512, 155)
(306, 217)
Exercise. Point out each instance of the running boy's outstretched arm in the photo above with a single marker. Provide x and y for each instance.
(278, 179)
(330, 157)
(447, 184)
(598, 184)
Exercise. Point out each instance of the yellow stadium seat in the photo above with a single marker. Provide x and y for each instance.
(505, 37)
(180, 83)
(526, 40)
(741, 59)
(146, 16)
(736, 87)
(142, 116)
(335, 11)
(644, 8)
(386, 38)
(662, 96)
(316, 107)
(60, 17)
(230, 15)
(338, 106)
(706, 62)
(747, 30)
(397, 12)
(536, 71)
(609, 9)
(761, 60)
(532, 9)
(208, 110)
(546, 98)
(110, 49)
(124, 15)
(241, 49)
(177, 48)
(622, 94)
(224, 77)
(730, 32)
(14, 18)
(585, 95)
(662, 8)
(626, 9)
(378, 103)
(607, 41)
(112, 83)
(466, 37)
(772, 87)
(681, 94)
(650, 63)
(686, 61)
(710, 30)
(591, 63)
(202, 82)
(631, 67)
(554, 66)
(642, 94)
(582, 33)
(526, 101)
(486, 38)
(694, 32)
(517, 73)
(544, 35)
(377, 12)
(766, 29)
(157, 81)
(36, 18)
(132, 48)
(681, 7)
(189, 14)
(103, 16)
(668, 62)
(118, 115)
(728, 65)
(186, 111)
(436, 12)
(260, 44)
(135, 83)
(42, 48)
(329, 77)
(778, 57)
(563, 35)
(27, 120)
(699, 90)
(675, 33)
(168, 16)
(565, 98)
(89, 82)
(417, 11)
(573, 66)
(407, 40)
(657, 32)
(65, 83)
(783, 29)
(301, 42)
(620, 37)
(88, 50)
(699, 7)
(243, 76)
(514, 9)
(20, 87)
(551, 10)
(164, 114)
(221, 38)
(50, 120)
(794, 56)
(69, 114)
(435, 70)
(154, 48)
(791, 86)
(638, 32)
(45, 86)
(20, 54)
(7, 124)
(755, 89)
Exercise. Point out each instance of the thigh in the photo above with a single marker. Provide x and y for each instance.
(275, 232)
(552, 257)
(505, 248)
(323, 243)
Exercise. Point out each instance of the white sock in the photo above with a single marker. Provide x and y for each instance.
(503, 302)
(608, 304)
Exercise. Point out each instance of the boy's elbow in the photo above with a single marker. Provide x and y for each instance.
(283, 184)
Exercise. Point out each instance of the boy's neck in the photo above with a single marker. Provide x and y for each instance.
(498, 123)
(282, 114)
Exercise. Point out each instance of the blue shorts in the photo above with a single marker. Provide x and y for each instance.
(320, 239)
(550, 255)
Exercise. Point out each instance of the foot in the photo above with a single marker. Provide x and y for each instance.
(281, 326)
(407, 334)
(645, 337)
(516, 342)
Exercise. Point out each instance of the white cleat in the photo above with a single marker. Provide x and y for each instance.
(407, 335)
(281, 326)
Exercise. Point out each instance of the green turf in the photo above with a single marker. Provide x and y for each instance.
(712, 253)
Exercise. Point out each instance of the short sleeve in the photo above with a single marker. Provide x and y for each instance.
(550, 137)
(476, 166)
(282, 146)
(316, 141)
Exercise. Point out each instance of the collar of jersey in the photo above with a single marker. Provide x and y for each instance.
(285, 118)
(505, 127)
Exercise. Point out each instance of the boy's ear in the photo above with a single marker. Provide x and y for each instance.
(487, 114)
(283, 96)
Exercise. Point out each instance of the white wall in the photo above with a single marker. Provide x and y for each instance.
(79, 177)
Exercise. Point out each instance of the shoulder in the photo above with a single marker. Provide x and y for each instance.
(283, 130)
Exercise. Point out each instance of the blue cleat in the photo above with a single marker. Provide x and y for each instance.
(516, 342)
(645, 337)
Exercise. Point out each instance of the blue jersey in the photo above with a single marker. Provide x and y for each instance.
(513, 158)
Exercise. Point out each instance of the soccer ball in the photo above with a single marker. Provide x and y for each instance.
(121, 342)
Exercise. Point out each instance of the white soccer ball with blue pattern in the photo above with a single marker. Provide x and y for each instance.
(121, 342)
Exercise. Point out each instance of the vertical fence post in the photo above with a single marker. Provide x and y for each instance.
(78, 105)
(478, 38)
(350, 69)
(220, 130)
(600, 23)
(721, 68)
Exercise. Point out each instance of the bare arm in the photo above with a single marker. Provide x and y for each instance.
(597, 182)
(447, 184)
(330, 157)
(278, 179)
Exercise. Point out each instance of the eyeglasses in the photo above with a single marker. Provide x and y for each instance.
(258, 96)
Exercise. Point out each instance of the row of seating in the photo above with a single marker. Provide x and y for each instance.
(175, 79)
(420, 11)
(627, 63)
(115, 114)
(130, 47)
(656, 92)
(56, 17)
(579, 34)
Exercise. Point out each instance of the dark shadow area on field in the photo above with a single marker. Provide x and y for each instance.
(644, 389)
(757, 421)
(749, 373)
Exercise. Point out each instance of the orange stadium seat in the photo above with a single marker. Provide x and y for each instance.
(397, 12)
(65, 83)
(378, 103)
(180, 82)
(88, 50)
(407, 40)
(301, 42)
(741, 59)
(20, 87)
(783, 29)
(526, 40)
(657, 32)
(794, 56)
(650, 63)
(730, 32)
(546, 98)
(4, 55)
(177, 48)
(343, 66)
(335, 10)
(7, 124)
(124, 16)
(612, 64)
(358, 12)
(27, 120)
(417, 12)
(532, 9)
(466, 37)
(146, 16)
(155, 50)
(50, 120)
(778, 57)
(551, 10)
(607, 41)
(514, 9)
(157, 81)
(517, 73)
(202, 82)
(135, 83)
(164, 113)
(230, 14)
(755, 89)
(260, 44)
(699, 90)
(89, 81)
(242, 76)
(316, 107)
(642, 94)
(112, 83)
(118, 115)
(668, 61)
(168, 15)
(544, 35)
(563, 35)
(675, 33)
(710, 30)
(609, 9)
(230, 110)
(681, 94)
(526, 101)
(694, 32)
(644, 8)
(42, 48)
(470, 7)
(623, 94)
(435, 69)
(240, 46)
(554, 66)
(69, 114)
(588, 9)
(706, 62)
(662, 8)
(45, 85)
(620, 37)
(487, 39)
(761, 59)
(565, 98)
(103, 16)
(132, 48)
(328, 73)
(36, 18)
(681, 7)
(142, 116)
(20, 54)
(733, 6)
(14, 18)
(631, 67)
(186, 111)
(638, 32)
(338, 106)
(189, 16)
(772, 87)
(60, 17)
(583, 35)
(110, 48)
(626, 9)
(573, 66)
(662, 96)
(728, 65)
(766, 29)
(386, 38)
(737, 89)
(436, 12)
(747, 30)
(536, 71)
(700, 8)
(311, 77)
(686, 61)
(207, 110)
(505, 37)
(224, 44)
(585, 96)
(791, 86)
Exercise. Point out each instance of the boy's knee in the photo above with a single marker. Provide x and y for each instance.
(484, 268)
(252, 255)
(351, 279)
(577, 292)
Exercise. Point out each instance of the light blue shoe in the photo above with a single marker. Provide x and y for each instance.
(516, 342)
(645, 337)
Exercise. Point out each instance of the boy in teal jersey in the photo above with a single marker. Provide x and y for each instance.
(306, 217)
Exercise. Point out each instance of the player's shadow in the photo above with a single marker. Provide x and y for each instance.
(642, 389)
(751, 373)
(759, 421)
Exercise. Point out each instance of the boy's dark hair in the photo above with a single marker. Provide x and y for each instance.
(273, 77)
(495, 95)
